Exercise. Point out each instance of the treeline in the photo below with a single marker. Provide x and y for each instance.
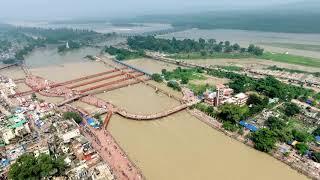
(268, 86)
(189, 46)
(5, 45)
(60, 34)
(124, 54)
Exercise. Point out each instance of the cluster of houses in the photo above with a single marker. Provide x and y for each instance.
(224, 94)
(34, 127)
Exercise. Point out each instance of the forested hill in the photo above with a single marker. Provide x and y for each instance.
(301, 17)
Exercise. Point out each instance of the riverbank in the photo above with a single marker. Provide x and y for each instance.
(300, 166)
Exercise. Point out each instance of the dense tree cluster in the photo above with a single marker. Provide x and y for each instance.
(264, 140)
(302, 148)
(5, 45)
(124, 54)
(59, 34)
(205, 108)
(188, 46)
(156, 77)
(291, 109)
(279, 128)
(174, 85)
(302, 136)
(183, 74)
(73, 115)
(256, 103)
(30, 167)
(255, 50)
(268, 86)
(233, 113)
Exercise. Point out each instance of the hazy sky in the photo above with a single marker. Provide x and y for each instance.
(57, 9)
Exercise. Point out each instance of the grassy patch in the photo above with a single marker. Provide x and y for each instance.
(231, 68)
(308, 47)
(285, 58)
(291, 59)
(199, 89)
(214, 55)
(179, 74)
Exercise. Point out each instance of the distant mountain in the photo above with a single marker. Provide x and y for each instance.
(299, 17)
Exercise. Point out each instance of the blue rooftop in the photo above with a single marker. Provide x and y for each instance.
(318, 138)
(91, 121)
(248, 126)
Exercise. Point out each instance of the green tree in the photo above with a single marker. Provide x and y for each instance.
(232, 113)
(264, 140)
(316, 156)
(163, 71)
(316, 132)
(275, 123)
(279, 127)
(34, 96)
(174, 85)
(184, 80)
(236, 47)
(227, 43)
(302, 148)
(229, 126)
(212, 41)
(302, 136)
(156, 77)
(291, 109)
(29, 167)
(73, 115)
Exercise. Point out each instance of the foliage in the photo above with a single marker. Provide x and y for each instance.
(157, 77)
(5, 45)
(256, 103)
(255, 50)
(268, 86)
(212, 55)
(186, 74)
(174, 85)
(227, 125)
(316, 156)
(279, 128)
(231, 68)
(302, 148)
(291, 59)
(199, 89)
(124, 54)
(184, 80)
(264, 140)
(205, 108)
(97, 116)
(316, 132)
(173, 45)
(233, 113)
(302, 136)
(29, 167)
(34, 96)
(73, 115)
(291, 109)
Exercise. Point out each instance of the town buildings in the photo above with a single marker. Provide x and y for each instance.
(224, 94)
